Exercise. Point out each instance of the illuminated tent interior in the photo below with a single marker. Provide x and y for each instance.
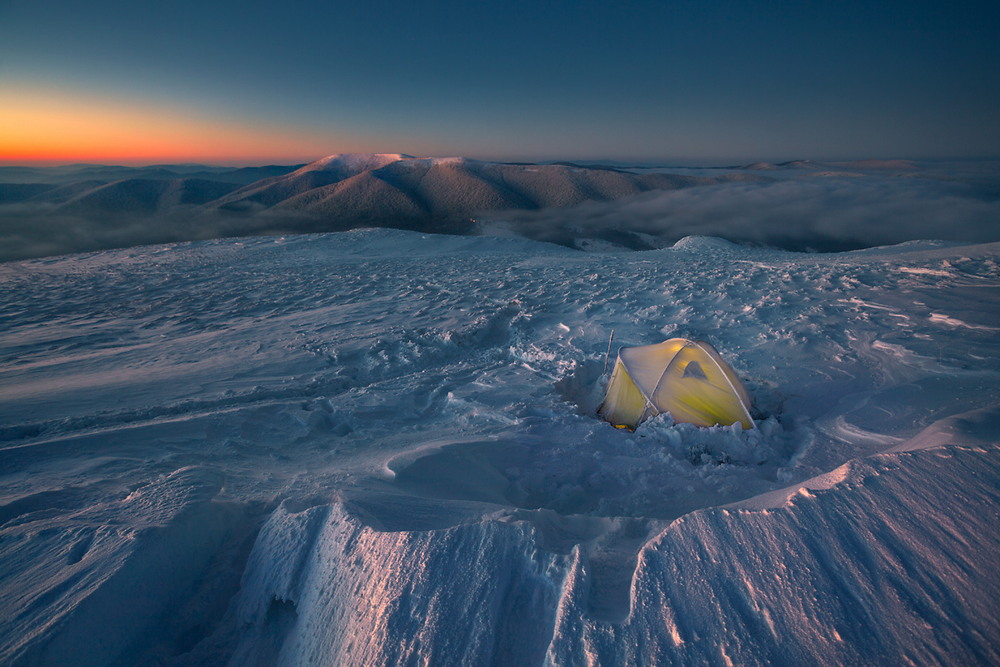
(687, 379)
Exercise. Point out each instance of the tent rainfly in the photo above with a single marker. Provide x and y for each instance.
(686, 378)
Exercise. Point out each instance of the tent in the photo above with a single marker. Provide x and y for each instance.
(686, 378)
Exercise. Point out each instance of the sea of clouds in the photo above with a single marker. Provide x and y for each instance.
(815, 214)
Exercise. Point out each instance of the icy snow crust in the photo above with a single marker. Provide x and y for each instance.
(379, 447)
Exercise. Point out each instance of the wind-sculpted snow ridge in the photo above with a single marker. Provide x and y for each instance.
(380, 447)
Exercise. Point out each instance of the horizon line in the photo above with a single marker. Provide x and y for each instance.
(680, 163)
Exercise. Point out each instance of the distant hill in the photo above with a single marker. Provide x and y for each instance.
(404, 191)
(18, 192)
(109, 173)
(91, 207)
(798, 205)
(863, 165)
(143, 195)
(338, 191)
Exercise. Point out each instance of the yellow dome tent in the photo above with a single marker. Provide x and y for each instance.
(686, 378)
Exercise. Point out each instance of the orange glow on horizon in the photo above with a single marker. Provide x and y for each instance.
(47, 127)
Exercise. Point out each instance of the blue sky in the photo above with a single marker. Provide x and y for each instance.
(669, 82)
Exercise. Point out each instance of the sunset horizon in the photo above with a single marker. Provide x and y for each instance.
(674, 83)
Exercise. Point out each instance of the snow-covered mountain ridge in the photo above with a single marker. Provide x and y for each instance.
(802, 205)
(338, 192)
(380, 446)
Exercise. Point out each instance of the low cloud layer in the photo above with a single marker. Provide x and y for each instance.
(36, 230)
(820, 214)
(802, 213)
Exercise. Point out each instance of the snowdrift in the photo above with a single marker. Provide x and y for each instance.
(382, 447)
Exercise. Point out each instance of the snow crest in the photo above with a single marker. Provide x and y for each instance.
(322, 587)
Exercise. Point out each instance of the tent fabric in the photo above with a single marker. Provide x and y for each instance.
(686, 378)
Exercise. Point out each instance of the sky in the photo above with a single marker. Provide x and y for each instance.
(667, 82)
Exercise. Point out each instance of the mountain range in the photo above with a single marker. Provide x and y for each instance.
(337, 192)
(798, 205)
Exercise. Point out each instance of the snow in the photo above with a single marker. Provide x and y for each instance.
(380, 447)
(352, 162)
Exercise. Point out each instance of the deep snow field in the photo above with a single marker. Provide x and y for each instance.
(380, 447)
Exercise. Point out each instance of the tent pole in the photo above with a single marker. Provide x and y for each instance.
(746, 411)
(608, 355)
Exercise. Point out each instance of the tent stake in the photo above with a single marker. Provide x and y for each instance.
(608, 355)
